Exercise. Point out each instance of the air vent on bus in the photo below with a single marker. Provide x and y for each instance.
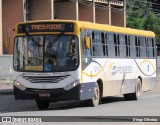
(45, 79)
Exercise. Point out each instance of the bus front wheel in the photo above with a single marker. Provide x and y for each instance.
(96, 96)
(137, 94)
(42, 105)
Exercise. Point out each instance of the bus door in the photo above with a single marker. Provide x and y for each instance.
(86, 50)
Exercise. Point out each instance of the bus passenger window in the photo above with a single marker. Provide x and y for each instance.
(106, 44)
(116, 43)
(110, 45)
(132, 46)
(142, 46)
(150, 48)
(137, 47)
(127, 40)
(122, 46)
(97, 45)
(103, 43)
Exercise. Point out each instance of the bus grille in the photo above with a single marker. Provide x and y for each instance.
(46, 79)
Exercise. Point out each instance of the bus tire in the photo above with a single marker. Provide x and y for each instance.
(137, 94)
(96, 97)
(42, 105)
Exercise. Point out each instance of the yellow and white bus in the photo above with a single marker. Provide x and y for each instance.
(74, 60)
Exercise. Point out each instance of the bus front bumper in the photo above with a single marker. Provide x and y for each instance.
(83, 91)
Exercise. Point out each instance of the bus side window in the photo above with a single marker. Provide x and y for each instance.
(116, 43)
(132, 46)
(122, 47)
(97, 44)
(127, 40)
(110, 45)
(150, 48)
(103, 43)
(142, 46)
(153, 47)
(106, 46)
(137, 46)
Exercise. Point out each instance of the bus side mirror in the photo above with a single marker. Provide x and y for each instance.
(87, 43)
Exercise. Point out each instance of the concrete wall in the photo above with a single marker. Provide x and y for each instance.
(102, 16)
(40, 9)
(65, 10)
(12, 13)
(85, 13)
(6, 70)
(117, 18)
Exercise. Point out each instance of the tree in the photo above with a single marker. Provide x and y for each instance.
(136, 12)
(152, 22)
(140, 16)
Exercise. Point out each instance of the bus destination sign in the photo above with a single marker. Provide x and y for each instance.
(45, 27)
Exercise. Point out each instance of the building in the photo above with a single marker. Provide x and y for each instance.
(110, 12)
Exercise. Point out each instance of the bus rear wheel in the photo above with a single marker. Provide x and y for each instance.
(42, 105)
(137, 94)
(96, 97)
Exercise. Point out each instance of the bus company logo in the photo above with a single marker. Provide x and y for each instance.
(114, 69)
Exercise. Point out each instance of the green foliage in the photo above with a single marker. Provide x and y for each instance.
(140, 16)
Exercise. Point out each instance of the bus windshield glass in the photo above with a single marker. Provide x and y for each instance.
(46, 53)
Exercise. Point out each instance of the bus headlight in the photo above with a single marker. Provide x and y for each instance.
(19, 85)
(71, 85)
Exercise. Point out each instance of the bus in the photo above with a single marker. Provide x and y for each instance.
(57, 60)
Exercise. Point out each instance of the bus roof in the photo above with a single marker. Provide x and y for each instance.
(102, 27)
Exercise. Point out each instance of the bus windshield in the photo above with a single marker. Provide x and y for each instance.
(46, 53)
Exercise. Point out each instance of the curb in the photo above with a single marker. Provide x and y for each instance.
(6, 92)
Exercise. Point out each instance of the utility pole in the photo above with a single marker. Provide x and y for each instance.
(52, 9)
(77, 10)
(109, 8)
(124, 11)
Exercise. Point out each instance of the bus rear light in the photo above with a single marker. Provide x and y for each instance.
(19, 85)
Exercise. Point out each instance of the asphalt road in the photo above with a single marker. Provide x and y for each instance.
(148, 105)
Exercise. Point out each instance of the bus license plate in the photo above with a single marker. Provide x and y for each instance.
(44, 94)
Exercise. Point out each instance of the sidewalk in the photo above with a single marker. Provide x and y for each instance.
(6, 89)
